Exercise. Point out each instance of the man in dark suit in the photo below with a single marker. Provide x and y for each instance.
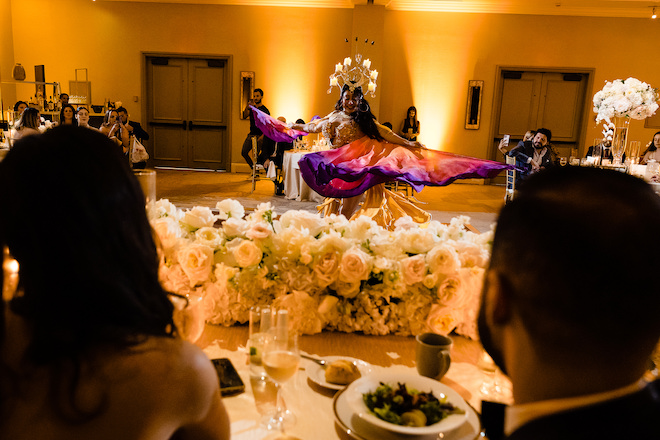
(576, 344)
(534, 155)
(134, 129)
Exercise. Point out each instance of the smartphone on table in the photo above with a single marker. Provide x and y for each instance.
(230, 382)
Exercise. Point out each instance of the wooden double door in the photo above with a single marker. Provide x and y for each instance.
(553, 100)
(188, 111)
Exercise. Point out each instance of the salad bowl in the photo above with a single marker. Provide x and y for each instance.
(368, 384)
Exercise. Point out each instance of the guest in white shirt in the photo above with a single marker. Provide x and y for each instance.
(576, 344)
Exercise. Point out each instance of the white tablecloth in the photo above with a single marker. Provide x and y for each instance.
(295, 187)
(314, 410)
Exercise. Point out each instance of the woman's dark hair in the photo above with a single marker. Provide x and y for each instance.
(18, 103)
(407, 123)
(363, 116)
(74, 121)
(30, 118)
(75, 221)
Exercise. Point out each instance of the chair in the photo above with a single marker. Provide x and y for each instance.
(399, 186)
(510, 180)
(255, 171)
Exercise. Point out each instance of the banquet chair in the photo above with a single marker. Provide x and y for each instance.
(255, 171)
(400, 186)
(510, 180)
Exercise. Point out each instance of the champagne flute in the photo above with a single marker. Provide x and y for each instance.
(280, 359)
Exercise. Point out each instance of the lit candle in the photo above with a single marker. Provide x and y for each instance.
(338, 67)
(347, 61)
(366, 63)
(371, 87)
(333, 81)
(374, 75)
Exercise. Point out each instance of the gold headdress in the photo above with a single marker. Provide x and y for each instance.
(356, 76)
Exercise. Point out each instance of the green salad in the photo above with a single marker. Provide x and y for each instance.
(408, 407)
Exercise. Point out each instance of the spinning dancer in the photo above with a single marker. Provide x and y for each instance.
(366, 154)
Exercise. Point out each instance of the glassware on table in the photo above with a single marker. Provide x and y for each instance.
(491, 387)
(563, 161)
(632, 151)
(189, 316)
(596, 153)
(280, 359)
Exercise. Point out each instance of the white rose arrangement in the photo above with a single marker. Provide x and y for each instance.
(331, 274)
(630, 98)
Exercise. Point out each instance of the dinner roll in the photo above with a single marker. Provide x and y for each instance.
(341, 372)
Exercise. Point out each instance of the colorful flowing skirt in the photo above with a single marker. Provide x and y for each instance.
(352, 169)
(363, 166)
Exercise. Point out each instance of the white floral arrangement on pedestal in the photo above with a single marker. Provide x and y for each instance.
(331, 274)
(630, 98)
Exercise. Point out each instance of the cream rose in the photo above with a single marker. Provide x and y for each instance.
(199, 217)
(451, 292)
(168, 232)
(259, 231)
(413, 269)
(196, 260)
(441, 320)
(247, 254)
(471, 254)
(355, 266)
(210, 237)
(326, 268)
(443, 259)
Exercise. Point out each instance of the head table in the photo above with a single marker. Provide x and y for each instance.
(313, 405)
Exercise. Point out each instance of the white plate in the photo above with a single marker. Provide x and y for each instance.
(353, 426)
(367, 384)
(316, 373)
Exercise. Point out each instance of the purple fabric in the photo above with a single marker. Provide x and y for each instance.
(274, 129)
(352, 169)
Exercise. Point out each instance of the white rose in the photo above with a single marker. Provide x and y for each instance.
(413, 269)
(230, 208)
(345, 289)
(443, 259)
(164, 208)
(199, 217)
(196, 260)
(471, 254)
(247, 254)
(259, 231)
(234, 227)
(355, 266)
(302, 220)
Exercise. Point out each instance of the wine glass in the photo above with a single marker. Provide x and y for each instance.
(280, 359)
(490, 387)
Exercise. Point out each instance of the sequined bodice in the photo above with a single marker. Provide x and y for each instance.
(340, 129)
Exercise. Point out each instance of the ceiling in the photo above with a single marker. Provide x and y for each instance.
(593, 8)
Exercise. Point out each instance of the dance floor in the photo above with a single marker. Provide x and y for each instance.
(187, 188)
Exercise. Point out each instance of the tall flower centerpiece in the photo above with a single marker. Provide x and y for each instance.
(623, 100)
(328, 272)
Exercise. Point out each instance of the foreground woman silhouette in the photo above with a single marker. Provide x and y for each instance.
(89, 349)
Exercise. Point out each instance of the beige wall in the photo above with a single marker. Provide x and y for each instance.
(425, 59)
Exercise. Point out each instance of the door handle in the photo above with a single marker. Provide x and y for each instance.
(190, 125)
(183, 125)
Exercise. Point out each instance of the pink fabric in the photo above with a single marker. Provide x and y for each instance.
(274, 129)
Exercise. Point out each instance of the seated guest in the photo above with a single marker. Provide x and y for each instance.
(68, 115)
(602, 150)
(19, 107)
(113, 128)
(90, 349)
(651, 152)
(576, 344)
(28, 123)
(82, 117)
(532, 156)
